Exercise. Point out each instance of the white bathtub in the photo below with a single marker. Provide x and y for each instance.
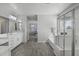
(58, 50)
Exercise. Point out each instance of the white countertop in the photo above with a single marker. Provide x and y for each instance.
(3, 36)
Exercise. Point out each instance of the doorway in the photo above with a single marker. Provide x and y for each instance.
(32, 28)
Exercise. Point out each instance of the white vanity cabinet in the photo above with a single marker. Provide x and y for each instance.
(4, 46)
(15, 39)
(3, 38)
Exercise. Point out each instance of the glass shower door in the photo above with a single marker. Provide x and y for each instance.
(60, 32)
(68, 33)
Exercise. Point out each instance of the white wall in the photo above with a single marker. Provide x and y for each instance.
(45, 22)
(24, 28)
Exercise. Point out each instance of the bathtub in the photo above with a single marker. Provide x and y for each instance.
(58, 50)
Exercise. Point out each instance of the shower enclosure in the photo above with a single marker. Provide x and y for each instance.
(68, 31)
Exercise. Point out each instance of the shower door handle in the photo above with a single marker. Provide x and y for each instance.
(63, 33)
(75, 41)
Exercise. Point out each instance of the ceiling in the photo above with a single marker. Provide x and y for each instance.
(40, 8)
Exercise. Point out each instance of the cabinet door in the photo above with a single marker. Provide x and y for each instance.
(11, 44)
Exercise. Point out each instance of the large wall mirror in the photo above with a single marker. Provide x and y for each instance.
(4, 25)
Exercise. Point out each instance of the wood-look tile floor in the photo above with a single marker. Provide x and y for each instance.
(32, 48)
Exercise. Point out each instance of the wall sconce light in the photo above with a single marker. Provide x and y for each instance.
(12, 17)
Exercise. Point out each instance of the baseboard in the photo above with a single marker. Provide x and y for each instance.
(41, 41)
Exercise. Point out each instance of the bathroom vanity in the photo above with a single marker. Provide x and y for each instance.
(15, 39)
(11, 35)
(4, 45)
(9, 41)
